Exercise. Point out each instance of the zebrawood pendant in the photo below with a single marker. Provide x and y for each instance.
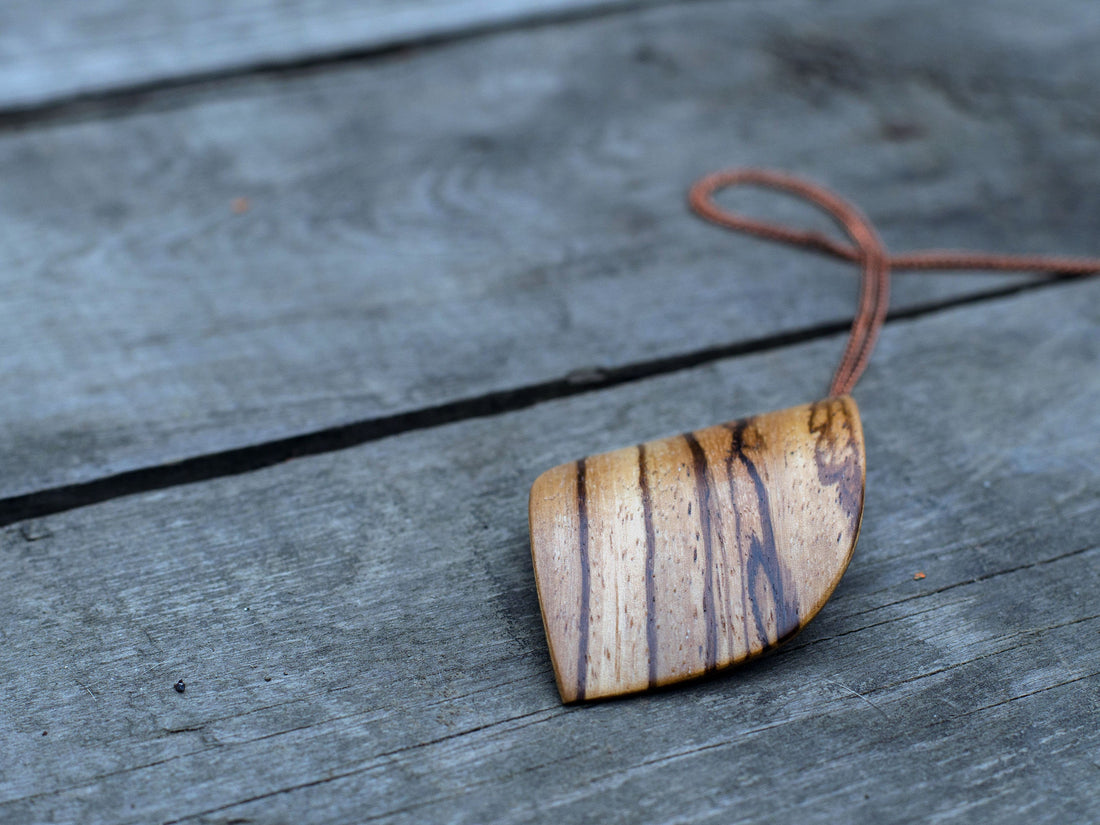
(671, 559)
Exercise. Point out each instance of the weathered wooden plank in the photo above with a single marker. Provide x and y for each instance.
(498, 213)
(78, 47)
(387, 592)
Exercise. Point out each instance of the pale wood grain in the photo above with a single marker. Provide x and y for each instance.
(678, 557)
(388, 593)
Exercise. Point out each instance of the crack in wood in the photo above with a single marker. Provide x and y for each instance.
(175, 91)
(241, 460)
(978, 579)
(1017, 698)
(375, 760)
(943, 589)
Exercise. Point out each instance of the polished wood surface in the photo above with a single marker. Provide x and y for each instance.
(670, 559)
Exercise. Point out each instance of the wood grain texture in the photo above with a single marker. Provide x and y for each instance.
(672, 559)
(387, 591)
(79, 47)
(503, 212)
(440, 224)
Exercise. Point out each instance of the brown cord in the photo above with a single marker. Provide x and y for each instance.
(866, 249)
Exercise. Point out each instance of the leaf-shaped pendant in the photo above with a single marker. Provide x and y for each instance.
(668, 560)
(674, 558)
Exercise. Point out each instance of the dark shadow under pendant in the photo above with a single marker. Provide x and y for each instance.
(671, 559)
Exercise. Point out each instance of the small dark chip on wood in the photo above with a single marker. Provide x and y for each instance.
(180, 686)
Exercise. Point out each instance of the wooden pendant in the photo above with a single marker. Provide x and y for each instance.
(674, 558)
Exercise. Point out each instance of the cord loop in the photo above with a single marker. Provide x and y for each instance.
(866, 249)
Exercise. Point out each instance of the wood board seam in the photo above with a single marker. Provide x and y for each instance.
(121, 99)
(254, 457)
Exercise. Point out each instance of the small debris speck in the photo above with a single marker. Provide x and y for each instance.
(180, 686)
(918, 576)
(267, 678)
(240, 205)
(45, 733)
(33, 531)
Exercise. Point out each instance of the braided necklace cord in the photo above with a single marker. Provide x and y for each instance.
(866, 249)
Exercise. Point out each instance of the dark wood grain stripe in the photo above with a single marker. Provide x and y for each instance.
(702, 489)
(836, 455)
(650, 562)
(582, 621)
(737, 429)
(764, 559)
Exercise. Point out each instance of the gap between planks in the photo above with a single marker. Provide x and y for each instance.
(240, 460)
(123, 98)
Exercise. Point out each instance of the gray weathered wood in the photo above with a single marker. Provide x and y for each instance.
(387, 593)
(78, 47)
(502, 212)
